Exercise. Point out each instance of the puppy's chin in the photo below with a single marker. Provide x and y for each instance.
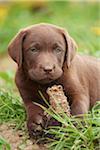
(45, 81)
(44, 78)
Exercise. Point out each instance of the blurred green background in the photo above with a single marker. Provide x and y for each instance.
(81, 19)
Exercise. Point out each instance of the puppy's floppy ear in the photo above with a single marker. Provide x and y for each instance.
(15, 47)
(71, 47)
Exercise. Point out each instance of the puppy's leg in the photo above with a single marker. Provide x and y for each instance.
(35, 122)
(28, 92)
(80, 105)
(35, 114)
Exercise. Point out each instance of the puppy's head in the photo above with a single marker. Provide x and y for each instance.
(42, 50)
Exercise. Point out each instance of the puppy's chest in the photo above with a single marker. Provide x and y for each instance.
(41, 92)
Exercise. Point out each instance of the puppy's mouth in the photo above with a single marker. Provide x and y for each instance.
(44, 78)
(47, 79)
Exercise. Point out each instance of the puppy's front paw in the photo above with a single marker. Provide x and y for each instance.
(35, 126)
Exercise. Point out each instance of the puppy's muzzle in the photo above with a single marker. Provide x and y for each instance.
(48, 68)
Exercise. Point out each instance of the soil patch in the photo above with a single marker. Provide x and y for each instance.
(18, 140)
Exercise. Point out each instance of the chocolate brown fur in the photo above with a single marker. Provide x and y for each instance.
(46, 55)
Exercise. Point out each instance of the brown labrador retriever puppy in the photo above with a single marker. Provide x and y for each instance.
(46, 55)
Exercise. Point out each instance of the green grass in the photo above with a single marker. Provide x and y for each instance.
(77, 134)
(4, 145)
(11, 109)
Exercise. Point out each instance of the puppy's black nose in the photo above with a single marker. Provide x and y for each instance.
(48, 69)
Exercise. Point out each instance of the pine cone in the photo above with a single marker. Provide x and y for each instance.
(58, 100)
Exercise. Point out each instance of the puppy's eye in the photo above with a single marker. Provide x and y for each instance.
(58, 50)
(34, 49)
